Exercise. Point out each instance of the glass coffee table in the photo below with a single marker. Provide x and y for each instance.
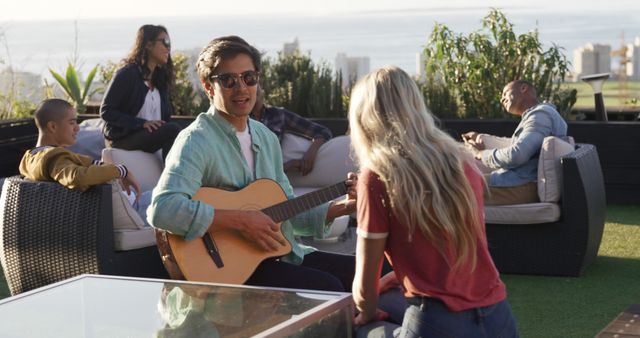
(110, 306)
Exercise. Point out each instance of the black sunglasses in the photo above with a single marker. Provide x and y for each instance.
(230, 80)
(165, 41)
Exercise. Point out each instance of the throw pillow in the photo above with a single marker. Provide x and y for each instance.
(124, 215)
(549, 170)
(332, 164)
(293, 147)
(146, 167)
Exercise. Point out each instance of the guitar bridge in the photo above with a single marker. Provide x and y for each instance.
(212, 249)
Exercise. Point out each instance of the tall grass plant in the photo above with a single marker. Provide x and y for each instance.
(295, 82)
(475, 67)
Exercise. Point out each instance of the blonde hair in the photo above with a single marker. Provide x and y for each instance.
(394, 134)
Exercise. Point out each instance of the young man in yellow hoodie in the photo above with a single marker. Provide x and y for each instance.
(57, 124)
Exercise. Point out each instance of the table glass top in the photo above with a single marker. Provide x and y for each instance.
(101, 306)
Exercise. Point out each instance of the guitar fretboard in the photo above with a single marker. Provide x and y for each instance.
(287, 209)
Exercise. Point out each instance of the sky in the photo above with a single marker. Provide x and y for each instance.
(22, 22)
(22, 10)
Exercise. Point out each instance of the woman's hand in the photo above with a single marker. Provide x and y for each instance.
(361, 319)
(152, 125)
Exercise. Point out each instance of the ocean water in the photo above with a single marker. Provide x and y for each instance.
(391, 37)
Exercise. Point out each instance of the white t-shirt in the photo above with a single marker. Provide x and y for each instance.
(151, 110)
(244, 137)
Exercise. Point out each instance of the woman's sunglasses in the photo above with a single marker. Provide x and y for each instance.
(230, 80)
(165, 41)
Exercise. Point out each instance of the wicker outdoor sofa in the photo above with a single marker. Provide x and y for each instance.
(50, 233)
(565, 247)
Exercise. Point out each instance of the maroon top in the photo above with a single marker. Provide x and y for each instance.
(421, 269)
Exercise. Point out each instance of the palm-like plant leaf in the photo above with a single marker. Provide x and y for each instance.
(71, 84)
(74, 84)
(61, 81)
(87, 83)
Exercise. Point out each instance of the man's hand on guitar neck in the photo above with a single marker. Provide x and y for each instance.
(352, 185)
(347, 205)
(254, 225)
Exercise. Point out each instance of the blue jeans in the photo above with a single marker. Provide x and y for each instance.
(143, 204)
(430, 318)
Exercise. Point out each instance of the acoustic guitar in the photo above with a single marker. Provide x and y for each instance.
(225, 256)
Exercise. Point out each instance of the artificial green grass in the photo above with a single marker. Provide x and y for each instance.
(575, 307)
(581, 307)
(615, 94)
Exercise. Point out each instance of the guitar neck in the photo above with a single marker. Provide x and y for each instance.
(287, 209)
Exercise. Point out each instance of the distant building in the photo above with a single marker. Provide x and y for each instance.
(592, 59)
(633, 54)
(352, 68)
(290, 47)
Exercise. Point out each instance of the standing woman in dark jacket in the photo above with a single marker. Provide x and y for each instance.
(136, 106)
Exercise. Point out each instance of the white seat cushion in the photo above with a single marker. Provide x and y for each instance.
(124, 215)
(126, 239)
(293, 146)
(549, 188)
(531, 213)
(332, 164)
(549, 169)
(146, 167)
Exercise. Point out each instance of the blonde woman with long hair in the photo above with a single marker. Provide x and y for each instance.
(420, 202)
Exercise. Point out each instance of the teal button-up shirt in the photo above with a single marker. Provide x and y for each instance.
(207, 154)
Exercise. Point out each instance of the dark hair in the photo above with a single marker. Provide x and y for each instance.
(163, 76)
(224, 48)
(50, 110)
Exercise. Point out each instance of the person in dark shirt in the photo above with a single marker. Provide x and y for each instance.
(280, 120)
(136, 106)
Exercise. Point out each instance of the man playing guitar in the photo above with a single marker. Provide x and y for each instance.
(225, 149)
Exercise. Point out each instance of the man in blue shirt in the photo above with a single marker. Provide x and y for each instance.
(225, 149)
(515, 166)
